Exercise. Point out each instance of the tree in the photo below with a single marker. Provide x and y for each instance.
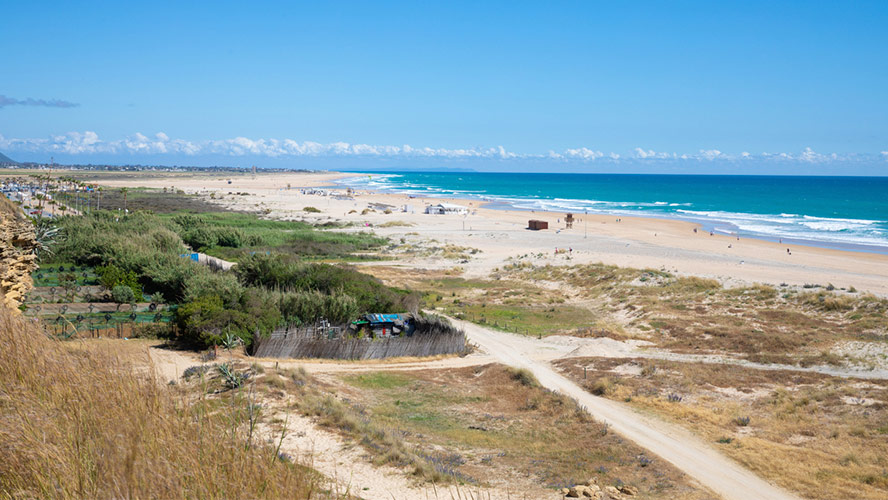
(122, 294)
(110, 276)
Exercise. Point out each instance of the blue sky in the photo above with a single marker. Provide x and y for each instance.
(758, 87)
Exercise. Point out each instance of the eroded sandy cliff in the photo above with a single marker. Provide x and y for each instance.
(17, 258)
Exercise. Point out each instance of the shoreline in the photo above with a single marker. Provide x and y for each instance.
(500, 236)
(502, 202)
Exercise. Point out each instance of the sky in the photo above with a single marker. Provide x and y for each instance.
(673, 87)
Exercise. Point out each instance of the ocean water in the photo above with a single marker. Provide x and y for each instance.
(834, 212)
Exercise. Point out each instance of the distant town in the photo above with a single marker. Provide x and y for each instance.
(7, 162)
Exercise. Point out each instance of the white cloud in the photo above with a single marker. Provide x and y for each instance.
(88, 142)
(711, 154)
(583, 154)
(810, 156)
(651, 154)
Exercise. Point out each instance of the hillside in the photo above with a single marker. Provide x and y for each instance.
(5, 160)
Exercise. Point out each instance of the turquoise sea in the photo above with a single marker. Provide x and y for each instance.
(834, 212)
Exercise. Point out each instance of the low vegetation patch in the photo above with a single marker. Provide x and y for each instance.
(823, 437)
(133, 256)
(495, 426)
(761, 323)
(80, 424)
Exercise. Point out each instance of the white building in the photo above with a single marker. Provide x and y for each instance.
(446, 208)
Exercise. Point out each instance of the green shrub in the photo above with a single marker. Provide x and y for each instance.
(307, 307)
(111, 276)
(223, 284)
(122, 294)
(200, 237)
(277, 272)
(208, 320)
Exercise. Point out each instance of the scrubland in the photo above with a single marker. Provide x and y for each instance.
(81, 424)
(825, 437)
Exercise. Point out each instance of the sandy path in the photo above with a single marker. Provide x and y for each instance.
(345, 463)
(349, 467)
(674, 444)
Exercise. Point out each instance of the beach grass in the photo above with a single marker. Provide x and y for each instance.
(488, 422)
(823, 437)
(81, 424)
(686, 314)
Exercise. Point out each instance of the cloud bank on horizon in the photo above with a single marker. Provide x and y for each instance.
(30, 101)
(160, 144)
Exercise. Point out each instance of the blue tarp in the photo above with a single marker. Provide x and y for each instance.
(383, 318)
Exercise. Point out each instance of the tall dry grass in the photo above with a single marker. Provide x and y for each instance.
(79, 424)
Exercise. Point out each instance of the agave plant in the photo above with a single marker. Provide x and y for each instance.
(230, 341)
(45, 235)
(232, 379)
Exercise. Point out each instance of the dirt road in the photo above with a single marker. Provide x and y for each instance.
(673, 444)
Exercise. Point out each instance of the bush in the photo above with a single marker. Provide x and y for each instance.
(229, 237)
(277, 272)
(524, 376)
(223, 284)
(200, 237)
(602, 387)
(122, 294)
(307, 307)
(311, 210)
(111, 276)
(207, 320)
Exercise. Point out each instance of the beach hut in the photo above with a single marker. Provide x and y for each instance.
(446, 209)
(536, 225)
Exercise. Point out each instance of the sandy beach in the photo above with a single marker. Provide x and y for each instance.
(669, 245)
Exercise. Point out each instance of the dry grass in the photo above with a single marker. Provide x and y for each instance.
(81, 424)
(684, 314)
(317, 399)
(821, 436)
(511, 305)
(695, 315)
(495, 426)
